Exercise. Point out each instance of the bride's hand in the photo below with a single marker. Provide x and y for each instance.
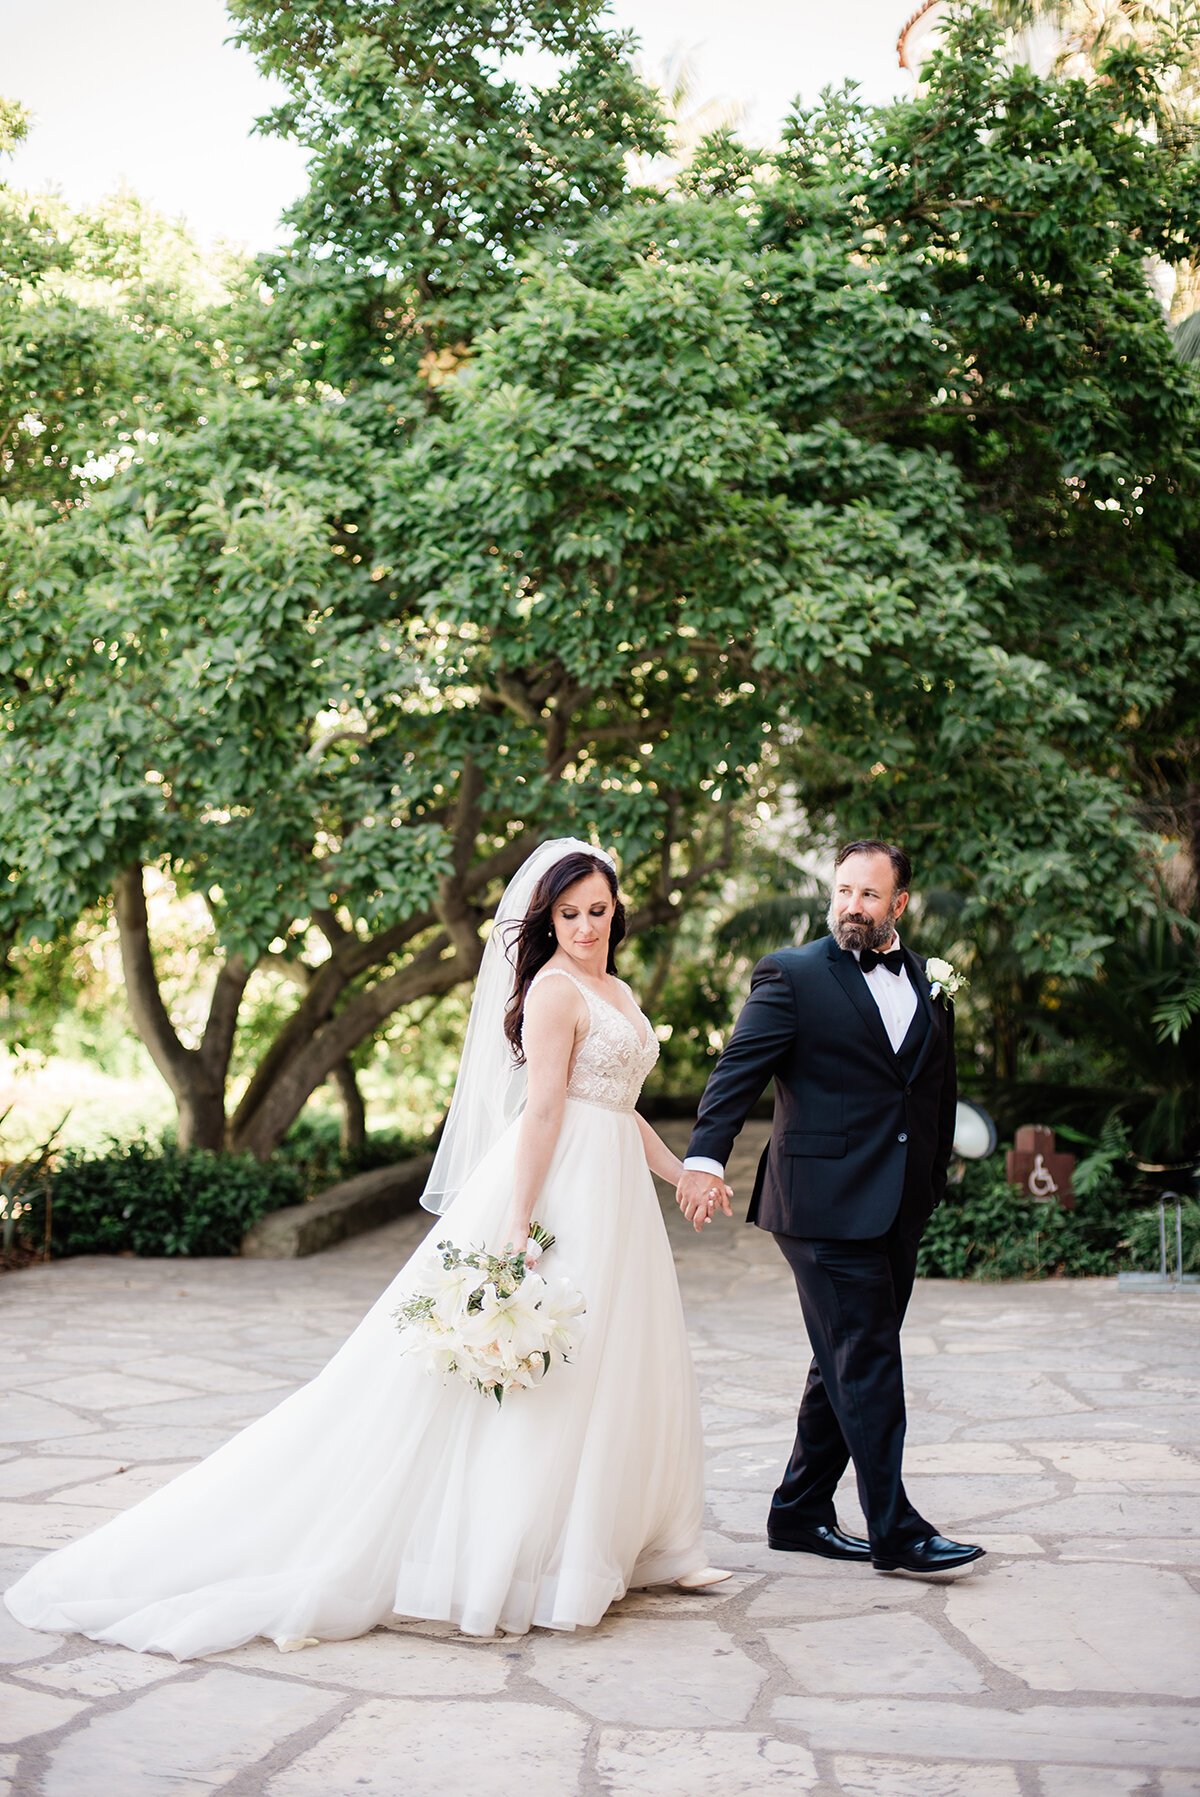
(517, 1240)
(699, 1194)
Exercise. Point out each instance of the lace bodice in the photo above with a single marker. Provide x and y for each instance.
(614, 1057)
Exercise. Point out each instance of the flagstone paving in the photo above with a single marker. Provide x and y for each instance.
(1056, 1423)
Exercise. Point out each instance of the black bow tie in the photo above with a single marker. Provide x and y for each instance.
(893, 960)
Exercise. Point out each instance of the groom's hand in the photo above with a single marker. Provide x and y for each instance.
(698, 1194)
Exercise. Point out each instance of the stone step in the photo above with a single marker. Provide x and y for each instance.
(346, 1209)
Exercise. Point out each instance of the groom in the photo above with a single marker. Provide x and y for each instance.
(862, 1055)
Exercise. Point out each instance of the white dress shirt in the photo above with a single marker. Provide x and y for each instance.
(893, 993)
(897, 1002)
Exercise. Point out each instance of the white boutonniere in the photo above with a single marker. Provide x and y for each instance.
(944, 979)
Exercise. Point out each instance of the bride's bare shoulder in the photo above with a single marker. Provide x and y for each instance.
(550, 997)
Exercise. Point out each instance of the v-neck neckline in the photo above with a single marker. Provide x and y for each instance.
(643, 1037)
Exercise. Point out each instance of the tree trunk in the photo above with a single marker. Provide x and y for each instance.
(1005, 1053)
(308, 1052)
(201, 1117)
(196, 1076)
(353, 1135)
(314, 1062)
(334, 1014)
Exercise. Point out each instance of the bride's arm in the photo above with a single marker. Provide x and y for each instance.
(659, 1158)
(552, 1016)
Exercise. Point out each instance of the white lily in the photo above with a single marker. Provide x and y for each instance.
(490, 1321)
(453, 1292)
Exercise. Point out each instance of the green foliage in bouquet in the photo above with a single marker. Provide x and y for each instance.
(489, 1319)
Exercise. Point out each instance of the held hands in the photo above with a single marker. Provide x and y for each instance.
(699, 1194)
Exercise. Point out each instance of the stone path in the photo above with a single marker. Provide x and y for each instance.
(1056, 1423)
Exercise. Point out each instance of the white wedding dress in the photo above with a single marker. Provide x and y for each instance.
(379, 1490)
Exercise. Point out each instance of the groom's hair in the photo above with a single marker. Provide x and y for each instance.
(901, 865)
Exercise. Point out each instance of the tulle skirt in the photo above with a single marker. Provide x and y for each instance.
(380, 1490)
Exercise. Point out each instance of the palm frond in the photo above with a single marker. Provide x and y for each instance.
(1186, 337)
(769, 923)
(1150, 983)
(1179, 1008)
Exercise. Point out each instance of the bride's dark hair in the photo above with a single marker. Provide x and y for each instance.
(532, 941)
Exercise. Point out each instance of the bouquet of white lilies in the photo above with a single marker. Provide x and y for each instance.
(490, 1319)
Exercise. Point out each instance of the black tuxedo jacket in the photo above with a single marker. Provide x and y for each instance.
(857, 1126)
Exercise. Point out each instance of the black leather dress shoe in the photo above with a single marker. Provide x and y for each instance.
(933, 1554)
(830, 1543)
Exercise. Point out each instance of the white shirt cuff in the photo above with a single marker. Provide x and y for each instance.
(698, 1163)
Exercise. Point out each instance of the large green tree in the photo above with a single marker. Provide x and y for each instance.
(530, 502)
(433, 166)
(214, 666)
(965, 308)
(107, 335)
(1002, 348)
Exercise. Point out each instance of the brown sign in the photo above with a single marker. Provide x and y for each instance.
(1038, 1168)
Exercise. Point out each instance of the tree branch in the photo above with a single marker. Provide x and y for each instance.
(565, 703)
(662, 907)
(216, 1045)
(353, 1132)
(149, 1013)
(358, 955)
(503, 864)
(454, 907)
(339, 733)
(335, 934)
(429, 972)
(324, 988)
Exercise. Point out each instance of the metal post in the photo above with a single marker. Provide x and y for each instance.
(1176, 1280)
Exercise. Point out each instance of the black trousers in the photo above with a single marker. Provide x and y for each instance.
(853, 1296)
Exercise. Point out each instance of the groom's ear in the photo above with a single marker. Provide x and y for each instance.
(901, 903)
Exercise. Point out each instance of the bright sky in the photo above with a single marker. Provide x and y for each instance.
(148, 93)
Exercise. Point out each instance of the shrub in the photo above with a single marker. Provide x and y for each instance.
(988, 1229)
(144, 1199)
(313, 1148)
(1142, 1238)
(23, 1186)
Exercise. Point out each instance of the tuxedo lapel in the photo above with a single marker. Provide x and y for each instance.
(849, 976)
(916, 974)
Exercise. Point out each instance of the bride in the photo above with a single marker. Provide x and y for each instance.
(377, 1490)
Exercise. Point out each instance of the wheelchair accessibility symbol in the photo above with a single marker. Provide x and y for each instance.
(1035, 1164)
(1041, 1180)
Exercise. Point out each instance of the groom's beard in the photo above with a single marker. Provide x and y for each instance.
(856, 931)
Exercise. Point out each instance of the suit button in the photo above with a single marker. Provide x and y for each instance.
(908, 1091)
(903, 1136)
